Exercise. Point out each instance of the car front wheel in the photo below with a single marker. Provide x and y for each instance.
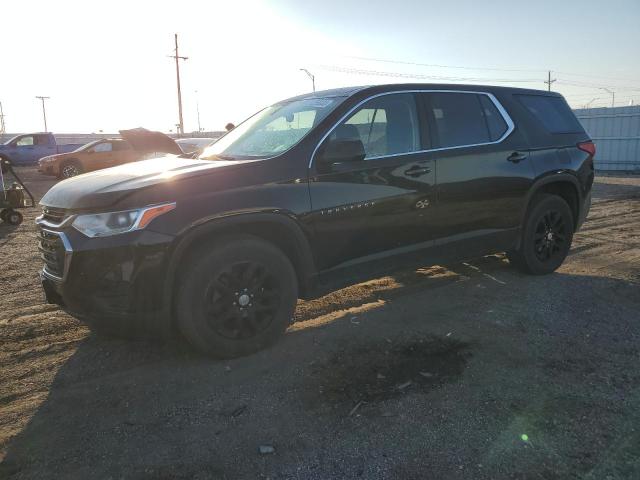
(546, 237)
(70, 169)
(236, 297)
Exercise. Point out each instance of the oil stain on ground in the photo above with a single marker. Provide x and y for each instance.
(366, 375)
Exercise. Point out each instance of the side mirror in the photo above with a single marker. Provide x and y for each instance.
(341, 151)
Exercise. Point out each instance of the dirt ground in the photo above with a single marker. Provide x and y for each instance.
(460, 371)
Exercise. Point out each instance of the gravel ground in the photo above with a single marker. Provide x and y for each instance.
(458, 371)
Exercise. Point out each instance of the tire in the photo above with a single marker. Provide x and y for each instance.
(236, 297)
(3, 214)
(13, 218)
(70, 169)
(546, 237)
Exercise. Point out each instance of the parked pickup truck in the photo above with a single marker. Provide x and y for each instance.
(27, 149)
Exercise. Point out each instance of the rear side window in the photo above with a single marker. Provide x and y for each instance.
(465, 119)
(553, 112)
(495, 121)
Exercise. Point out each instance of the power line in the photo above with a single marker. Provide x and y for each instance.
(400, 62)
(498, 69)
(359, 71)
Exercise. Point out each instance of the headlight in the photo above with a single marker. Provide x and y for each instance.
(113, 223)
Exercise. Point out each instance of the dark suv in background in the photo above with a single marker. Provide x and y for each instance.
(311, 194)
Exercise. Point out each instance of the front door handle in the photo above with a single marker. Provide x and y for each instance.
(417, 171)
(516, 157)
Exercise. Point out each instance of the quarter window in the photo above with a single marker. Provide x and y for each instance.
(386, 125)
(552, 112)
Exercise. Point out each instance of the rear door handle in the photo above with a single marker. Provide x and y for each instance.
(516, 157)
(417, 171)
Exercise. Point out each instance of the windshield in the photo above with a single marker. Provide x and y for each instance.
(271, 131)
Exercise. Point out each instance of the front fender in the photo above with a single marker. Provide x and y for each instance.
(244, 222)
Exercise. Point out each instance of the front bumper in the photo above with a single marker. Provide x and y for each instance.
(47, 169)
(116, 280)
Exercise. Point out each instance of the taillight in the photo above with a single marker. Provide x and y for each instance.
(588, 147)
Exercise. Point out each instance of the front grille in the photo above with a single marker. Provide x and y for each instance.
(54, 215)
(52, 252)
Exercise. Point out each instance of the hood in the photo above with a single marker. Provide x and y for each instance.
(103, 188)
(56, 157)
(146, 141)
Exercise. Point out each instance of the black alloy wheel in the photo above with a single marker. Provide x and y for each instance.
(546, 236)
(236, 295)
(242, 300)
(550, 236)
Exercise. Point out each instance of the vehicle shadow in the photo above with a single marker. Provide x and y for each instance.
(479, 341)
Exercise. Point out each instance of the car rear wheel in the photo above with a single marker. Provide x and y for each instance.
(546, 238)
(236, 297)
(70, 169)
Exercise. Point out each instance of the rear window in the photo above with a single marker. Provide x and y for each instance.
(553, 112)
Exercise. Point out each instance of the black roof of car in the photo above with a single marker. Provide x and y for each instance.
(348, 91)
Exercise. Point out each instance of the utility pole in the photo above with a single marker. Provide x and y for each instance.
(198, 111)
(549, 81)
(2, 126)
(613, 95)
(177, 58)
(311, 76)
(44, 112)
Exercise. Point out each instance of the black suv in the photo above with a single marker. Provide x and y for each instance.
(312, 194)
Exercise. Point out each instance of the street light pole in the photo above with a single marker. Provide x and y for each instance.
(198, 111)
(613, 95)
(311, 76)
(44, 112)
(2, 127)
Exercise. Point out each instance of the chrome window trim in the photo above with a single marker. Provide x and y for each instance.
(68, 252)
(510, 125)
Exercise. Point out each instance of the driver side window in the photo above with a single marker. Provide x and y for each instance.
(25, 141)
(386, 125)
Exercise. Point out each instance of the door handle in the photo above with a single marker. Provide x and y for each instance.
(516, 157)
(417, 171)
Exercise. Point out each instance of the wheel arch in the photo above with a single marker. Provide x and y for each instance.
(564, 185)
(277, 228)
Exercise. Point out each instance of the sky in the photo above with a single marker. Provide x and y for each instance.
(106, 66)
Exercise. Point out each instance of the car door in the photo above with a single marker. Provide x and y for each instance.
(100, 156)
(484, 171)
(370, 206)
(45, 145)
(23, 149)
